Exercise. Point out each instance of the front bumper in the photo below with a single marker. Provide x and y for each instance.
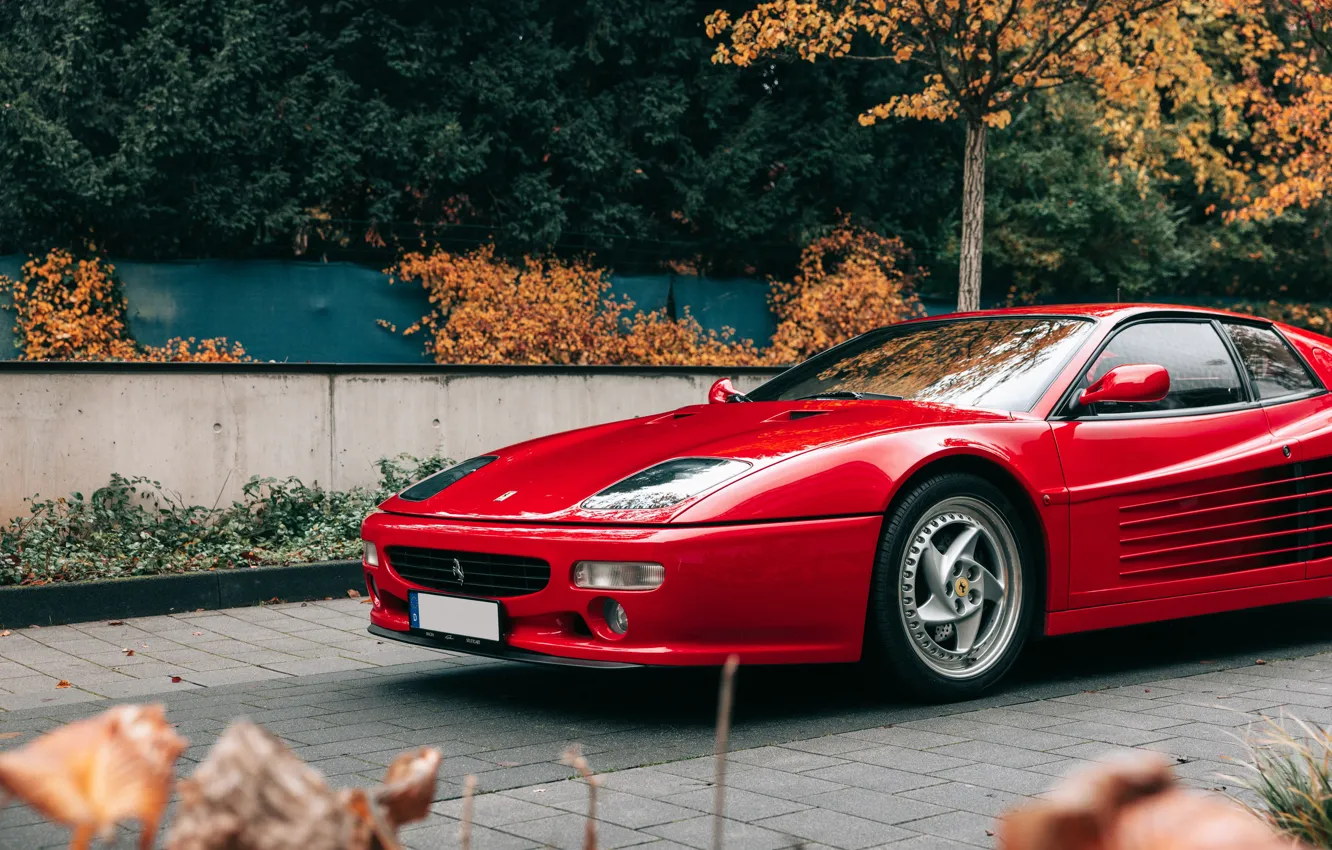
(773, 593)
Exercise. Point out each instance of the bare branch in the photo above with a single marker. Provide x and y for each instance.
(724, 701)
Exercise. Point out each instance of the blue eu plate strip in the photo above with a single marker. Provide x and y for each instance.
(415, 609)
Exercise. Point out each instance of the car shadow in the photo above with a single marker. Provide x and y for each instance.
(818, 699)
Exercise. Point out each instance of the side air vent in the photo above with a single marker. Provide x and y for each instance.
(793, 415)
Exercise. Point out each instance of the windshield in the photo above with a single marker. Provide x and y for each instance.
(995, 363)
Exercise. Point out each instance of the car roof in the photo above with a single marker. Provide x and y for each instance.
(1092, 311)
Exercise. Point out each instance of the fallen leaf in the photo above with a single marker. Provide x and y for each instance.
(5, 736)
(275, 601)
(508, 763)
(989, 832)
(367, 601)
(34, 626)
(116, 623)
(197, 634)
(5, 633)
(197, 610)
(1259, 661)
(354, 594)
(63, 684)
(175, 679)
(127, 651)
(92, 774)
(409, 786)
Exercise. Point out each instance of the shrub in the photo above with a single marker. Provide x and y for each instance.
(133, 526)
(75, 310)
(1311, 316)
(545, 310)
(486, 309)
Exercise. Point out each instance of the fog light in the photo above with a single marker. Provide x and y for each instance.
(615, 617)
(371, 554)
(618, 575)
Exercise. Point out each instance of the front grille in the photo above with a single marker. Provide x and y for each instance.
(482, 575)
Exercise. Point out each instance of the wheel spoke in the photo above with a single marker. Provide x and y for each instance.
(991, 588)
(967, 629)
(936, 612)
(961, 550)
(935, 567)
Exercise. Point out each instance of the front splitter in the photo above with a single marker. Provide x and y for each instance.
(504, 653)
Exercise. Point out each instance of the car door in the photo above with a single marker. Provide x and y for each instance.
(1180, 496)
(1299, 413)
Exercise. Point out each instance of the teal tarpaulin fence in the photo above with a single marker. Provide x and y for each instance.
(326, 312)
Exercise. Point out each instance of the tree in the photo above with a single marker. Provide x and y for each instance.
(979, 59)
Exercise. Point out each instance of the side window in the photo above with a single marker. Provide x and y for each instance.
(1202, 372)
(1275, 369)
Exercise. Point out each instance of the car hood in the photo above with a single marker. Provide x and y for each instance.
(547, 479)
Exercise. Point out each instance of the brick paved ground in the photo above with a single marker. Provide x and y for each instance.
(817, 762)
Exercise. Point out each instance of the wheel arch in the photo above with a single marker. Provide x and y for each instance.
(1008, 482)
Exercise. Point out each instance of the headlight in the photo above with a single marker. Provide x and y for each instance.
(666, 484)
(618, 575)
(427, 487)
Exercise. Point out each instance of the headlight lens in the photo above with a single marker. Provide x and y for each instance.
(618, 575)
(427, 487)
(666, 484)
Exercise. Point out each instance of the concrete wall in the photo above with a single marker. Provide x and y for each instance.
(204, 431)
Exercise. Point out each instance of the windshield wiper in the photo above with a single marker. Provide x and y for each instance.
(850, 394)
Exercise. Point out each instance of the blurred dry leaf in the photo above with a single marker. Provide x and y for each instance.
(5, 633)
(91, 774)
(409, 786)
(116, 623)
(128, 652)
(63, 684)
(1133, 803)
(354, 594)
(175, 680)
(197, 634)
(253, 793)
(367, 601)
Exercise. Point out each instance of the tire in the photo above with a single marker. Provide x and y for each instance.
(945, 625)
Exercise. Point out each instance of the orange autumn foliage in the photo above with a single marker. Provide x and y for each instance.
(543, 310)
(849, 281)
(67, 309)
(92, 774)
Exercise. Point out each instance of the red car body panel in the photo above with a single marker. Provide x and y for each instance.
(1138, 519)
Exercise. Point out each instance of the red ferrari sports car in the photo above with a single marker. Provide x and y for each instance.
(925, 498)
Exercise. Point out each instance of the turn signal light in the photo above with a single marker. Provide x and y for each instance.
(618, 575)
(371, 553)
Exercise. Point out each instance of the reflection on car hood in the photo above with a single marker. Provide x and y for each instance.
(547, 479)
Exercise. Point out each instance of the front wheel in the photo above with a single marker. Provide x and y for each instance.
(953, 594)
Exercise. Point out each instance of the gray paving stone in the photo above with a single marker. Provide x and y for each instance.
(499, 810)
(229, 676)
(442, 834)
(968, 827)
(652, 782)
(566, 832)
(630, 810)
(991, 753)
(927, 842)
(697, 833)
(913, 761)
(1009, 779)
(835, 829)
(905, 736)
(1092, 731)
(859, 775)
(875, 805)
(1126, 719)
(783, 758)
(739, 804)
(961, 796)
(788, 786)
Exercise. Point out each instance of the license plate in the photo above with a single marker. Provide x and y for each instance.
(452, 616)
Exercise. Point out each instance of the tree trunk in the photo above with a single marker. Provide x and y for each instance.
(973, 217)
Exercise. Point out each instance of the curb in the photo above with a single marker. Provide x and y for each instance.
(148, 596)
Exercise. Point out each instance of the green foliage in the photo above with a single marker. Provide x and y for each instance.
(1291, 774)
(161, 128)
(133, 527)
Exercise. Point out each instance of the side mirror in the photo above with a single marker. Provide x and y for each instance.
(722, 390)
(1138, 383)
